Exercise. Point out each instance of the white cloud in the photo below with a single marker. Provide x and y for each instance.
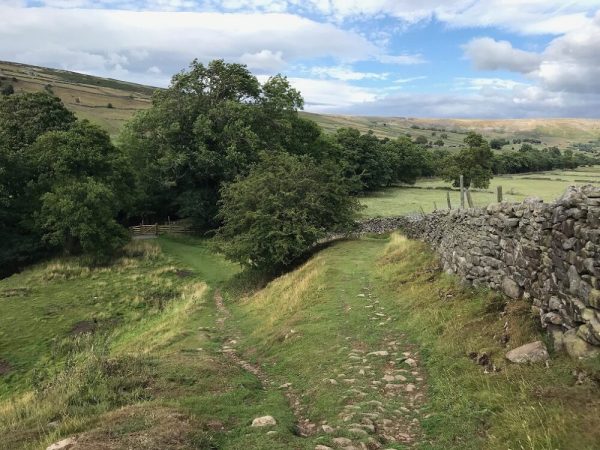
(346, 73)
(570, 63)
(402, 59)
(265, 60)
(330, 95)
(488, 54)
(100, 40)
(529, 101)
(488, 84)
(410, 79)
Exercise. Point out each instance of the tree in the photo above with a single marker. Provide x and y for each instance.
(206, 129)
(7, 90)
(23, 118)
(473, 162)
(78, 216)
(498, 143)
(439, 143)
(281, 209)
(421, 140)
(83, 183)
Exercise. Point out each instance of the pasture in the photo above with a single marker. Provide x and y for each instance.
(421, 197)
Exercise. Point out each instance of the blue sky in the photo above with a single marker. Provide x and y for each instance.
(425, 58)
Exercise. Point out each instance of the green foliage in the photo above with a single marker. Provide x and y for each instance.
(45, 154)
(281, 209)
(372, 163)
(80, 218)
(82, 182)
(7, 90)
(26, 116)
(206, 129)
(421, 140)
(498, 143)
(473, 162)
(531, 159)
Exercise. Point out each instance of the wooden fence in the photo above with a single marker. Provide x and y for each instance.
(157, 229)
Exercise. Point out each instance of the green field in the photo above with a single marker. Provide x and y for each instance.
(421, 197)
(132, 356)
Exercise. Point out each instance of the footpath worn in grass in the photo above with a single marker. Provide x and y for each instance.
(303, 326)
(156, 379)
(369, 335)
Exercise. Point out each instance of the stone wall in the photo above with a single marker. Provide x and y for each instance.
(548, 254)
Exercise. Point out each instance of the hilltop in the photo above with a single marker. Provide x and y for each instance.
(89, 96)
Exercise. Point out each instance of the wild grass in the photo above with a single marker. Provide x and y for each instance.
(531, 406)
(426, 194)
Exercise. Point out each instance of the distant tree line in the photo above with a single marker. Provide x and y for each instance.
(222, 150)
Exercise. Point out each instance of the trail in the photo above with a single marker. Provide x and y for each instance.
(304, 427)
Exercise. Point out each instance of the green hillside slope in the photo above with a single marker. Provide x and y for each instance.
(367, 343)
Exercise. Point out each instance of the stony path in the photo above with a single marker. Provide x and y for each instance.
(304, 427)
(393, 375)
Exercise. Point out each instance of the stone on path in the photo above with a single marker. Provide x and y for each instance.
(378, 353)
(265, 421)
(62, 445)
(411, 362)
(342, 441)
(532, 352)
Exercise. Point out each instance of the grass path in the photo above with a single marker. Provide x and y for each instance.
(368, 340)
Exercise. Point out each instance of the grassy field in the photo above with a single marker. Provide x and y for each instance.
(422, 196)
(369, 335)
(88, 96)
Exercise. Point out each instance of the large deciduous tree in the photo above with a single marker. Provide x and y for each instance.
(474, 162)
(207, 128)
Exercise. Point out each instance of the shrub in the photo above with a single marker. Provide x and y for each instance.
(281, 209)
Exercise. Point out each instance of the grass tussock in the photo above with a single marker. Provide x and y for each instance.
(287, 294)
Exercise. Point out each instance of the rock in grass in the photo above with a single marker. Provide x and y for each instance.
(322, 447)
(532, 352)
(342, 441)
(62, 445)
(265, 421)
(379, 353)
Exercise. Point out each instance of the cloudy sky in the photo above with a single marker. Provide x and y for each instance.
(426, 58)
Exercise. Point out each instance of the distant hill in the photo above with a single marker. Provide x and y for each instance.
(89, 97)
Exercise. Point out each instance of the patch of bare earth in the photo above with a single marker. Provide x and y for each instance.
(4, 367)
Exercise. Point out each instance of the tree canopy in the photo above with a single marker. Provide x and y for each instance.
(206, 129)
(281, 209)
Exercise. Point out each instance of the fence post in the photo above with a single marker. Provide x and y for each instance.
(169, 220)
(434, 206)
(448, 199)
(499, 193)
(469, 199)
(156, 229)
(462, 192)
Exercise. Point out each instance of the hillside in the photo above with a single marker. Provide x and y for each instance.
(171, 347)
(88, 96)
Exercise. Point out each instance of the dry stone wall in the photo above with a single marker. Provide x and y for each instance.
(548, 254)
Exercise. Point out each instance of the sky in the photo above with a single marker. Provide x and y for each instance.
(402, 58)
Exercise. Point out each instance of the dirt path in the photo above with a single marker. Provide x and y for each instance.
(304, 427)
